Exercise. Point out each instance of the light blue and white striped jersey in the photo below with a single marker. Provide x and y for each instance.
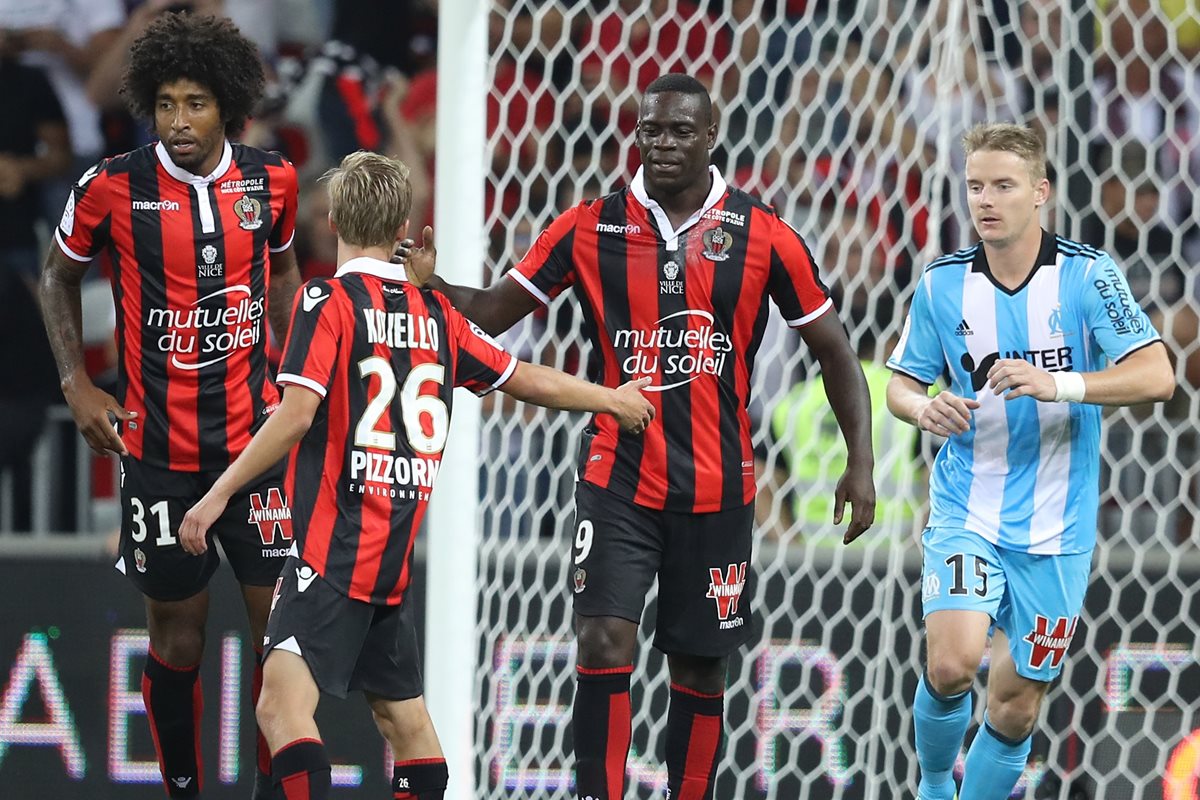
(1026, 475)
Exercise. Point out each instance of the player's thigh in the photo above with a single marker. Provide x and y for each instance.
(153, 502)
(1041, 609)
(615, 552)
(706, 583)
(1012, 699)
(288, 685)
(311, 619)
(256, 530)
(389, 663)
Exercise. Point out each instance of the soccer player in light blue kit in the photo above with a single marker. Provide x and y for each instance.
(1036, 333)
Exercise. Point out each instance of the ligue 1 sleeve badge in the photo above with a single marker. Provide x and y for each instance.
(716, 244)
(249, 211)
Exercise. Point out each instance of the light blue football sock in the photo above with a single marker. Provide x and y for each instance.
(941, 723)
(994, 763)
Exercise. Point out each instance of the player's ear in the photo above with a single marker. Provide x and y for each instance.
(402, 231)
(332, 224)
(1041, 192)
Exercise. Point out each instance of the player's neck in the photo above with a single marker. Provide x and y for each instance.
(348, 252)
(679, 206)
(1012, 262)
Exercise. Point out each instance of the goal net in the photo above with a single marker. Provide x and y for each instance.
(847, 118)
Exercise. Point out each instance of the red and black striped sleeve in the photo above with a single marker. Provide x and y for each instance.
(548, 268)
(83, 230)
(285, 225)
(314, 337)
(481, 364)
(793, 281)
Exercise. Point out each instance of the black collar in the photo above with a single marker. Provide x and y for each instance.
(1047, 254)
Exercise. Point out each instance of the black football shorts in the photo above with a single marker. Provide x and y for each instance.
(347, 644)
(255, 531)
(703, 564)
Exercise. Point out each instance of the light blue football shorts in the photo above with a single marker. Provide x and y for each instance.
(1034, 599)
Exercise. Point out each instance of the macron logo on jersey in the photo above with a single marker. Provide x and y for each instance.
(155, 205)
(604, 227)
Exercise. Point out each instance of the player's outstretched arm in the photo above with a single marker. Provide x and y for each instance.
(945, 414)
(285, 282)
(1145, 376)
(851, 403)
(286, 426)
(58, 289)
(494, 309)
(548, 387)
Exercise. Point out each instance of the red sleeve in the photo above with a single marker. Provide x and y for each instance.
(285, 223)
(549, 267)
(793, 281)
(83, 230)
(314, 337)
(481, 364)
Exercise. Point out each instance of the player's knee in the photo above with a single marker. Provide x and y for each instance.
(179, 645)
(950, 675)
(605, 642)
(1013, 717)
(270, 708)
(403, 722)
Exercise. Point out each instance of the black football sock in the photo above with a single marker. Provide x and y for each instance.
(695, 733)
(301, 770)
(174, 706)
(602, 729)
(420, 779)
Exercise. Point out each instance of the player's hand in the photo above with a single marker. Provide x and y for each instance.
(947, 414)
(193, 531)
(857, 488)
(1019, 378)
(419, 262)
(91, 408)
(633, 411)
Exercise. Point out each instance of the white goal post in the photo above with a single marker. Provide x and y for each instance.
(845, 116)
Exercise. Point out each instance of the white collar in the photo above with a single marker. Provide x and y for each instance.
(183, 176)
(638, 187)
(373, 266)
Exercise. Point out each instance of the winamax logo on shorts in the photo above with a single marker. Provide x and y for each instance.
(674, 351)
(725, 588)
(272, 518)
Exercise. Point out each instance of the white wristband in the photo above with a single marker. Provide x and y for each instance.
(1069, 387)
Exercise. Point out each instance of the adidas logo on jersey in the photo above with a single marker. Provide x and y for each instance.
(963, 329)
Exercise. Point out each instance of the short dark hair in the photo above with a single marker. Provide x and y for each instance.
(208, 50)
(683, 84)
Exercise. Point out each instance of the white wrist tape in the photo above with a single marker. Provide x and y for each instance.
(1069, 387)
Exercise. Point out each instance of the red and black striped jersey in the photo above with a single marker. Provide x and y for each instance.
(687, 308)
(190, 260)
(385, 356)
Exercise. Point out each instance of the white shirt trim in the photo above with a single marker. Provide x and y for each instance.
(300, 380)
(372, 266)
(508, 373)
(670, 235)
(283, 246)
(528, 286)
(68, 252)
(183, 176)
(811, 316)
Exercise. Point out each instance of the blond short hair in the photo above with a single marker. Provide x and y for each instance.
(369, 198)
(1008, 138)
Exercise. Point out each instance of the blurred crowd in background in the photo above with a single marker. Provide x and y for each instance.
(845, 116)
